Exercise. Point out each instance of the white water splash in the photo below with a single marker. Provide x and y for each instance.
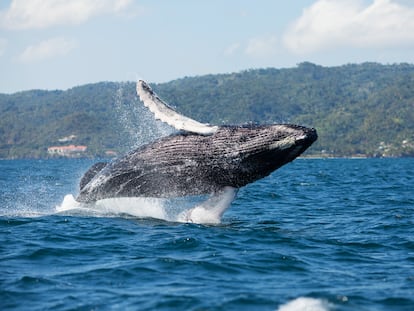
(187, 209)
(210, 211)
(305, 304)
(136, 121)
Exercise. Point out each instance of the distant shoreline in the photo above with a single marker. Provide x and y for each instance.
(303, 157)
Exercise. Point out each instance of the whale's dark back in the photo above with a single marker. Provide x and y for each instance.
(190, 164)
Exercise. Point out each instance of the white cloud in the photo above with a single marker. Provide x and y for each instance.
(27, 14)
(257, 47)
(232, 49)
(47, 49)
(3, 45)
(333, 23)
(262, 47)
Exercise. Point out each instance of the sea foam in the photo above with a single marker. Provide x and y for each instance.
(200, 209)
(305, 304)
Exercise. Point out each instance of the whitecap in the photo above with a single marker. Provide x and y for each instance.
(305, 304)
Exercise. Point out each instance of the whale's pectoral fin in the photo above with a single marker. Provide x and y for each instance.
(210, 211)
(162, 111)
(91, 173)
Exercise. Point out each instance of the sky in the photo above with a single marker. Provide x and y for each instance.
(59, 44)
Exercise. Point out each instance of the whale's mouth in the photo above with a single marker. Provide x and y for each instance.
(308, 138)
(303, 142)
(289, 148)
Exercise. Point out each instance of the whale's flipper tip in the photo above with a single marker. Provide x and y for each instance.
(165, 113)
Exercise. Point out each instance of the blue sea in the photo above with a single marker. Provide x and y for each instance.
(318, 234)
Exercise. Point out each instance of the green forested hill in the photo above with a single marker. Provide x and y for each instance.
(357, 109)
(33, 120)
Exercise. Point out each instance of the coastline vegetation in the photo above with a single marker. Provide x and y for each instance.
(359, 110)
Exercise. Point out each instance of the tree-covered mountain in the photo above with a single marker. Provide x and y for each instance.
(357, 109)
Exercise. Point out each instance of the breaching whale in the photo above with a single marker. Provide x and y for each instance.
(199, 159)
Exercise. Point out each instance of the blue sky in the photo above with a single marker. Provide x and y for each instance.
(58, 44)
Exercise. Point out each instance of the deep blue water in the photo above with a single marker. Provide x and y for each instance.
(339, 231)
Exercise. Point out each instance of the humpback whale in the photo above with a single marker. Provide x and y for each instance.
(198, 159)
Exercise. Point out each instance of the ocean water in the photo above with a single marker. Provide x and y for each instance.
(334, 234)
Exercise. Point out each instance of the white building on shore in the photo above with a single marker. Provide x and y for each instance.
(70, 151)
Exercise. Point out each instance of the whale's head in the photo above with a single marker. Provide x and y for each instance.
(258, 150)
(286, 140)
